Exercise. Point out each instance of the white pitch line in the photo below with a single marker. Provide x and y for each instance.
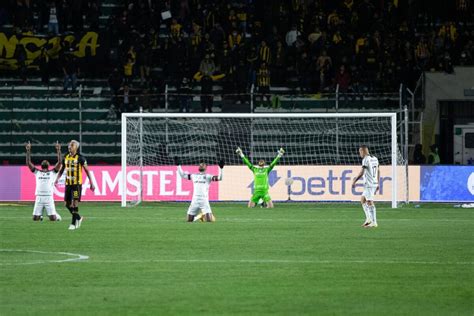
(249, 220)
(78, 257)
(82, 258)
(263, 261)
(335, 220)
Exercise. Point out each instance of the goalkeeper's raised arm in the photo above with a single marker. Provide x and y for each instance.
(244, 159)
(280, 154)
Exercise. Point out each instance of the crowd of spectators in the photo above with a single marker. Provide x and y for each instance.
(308, 45)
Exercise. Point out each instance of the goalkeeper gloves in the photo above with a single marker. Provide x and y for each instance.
(176, 161)
(281, 152)
(221, 163)
(239, 152)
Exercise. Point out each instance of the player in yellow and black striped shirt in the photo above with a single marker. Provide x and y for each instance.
(73, 163)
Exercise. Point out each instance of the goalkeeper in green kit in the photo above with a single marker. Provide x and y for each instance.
(260, 173)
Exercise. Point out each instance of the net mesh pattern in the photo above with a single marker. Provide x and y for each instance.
(153, 141)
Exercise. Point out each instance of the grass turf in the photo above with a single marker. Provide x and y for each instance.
(294, 259)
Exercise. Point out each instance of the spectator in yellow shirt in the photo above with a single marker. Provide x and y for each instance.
(196, 35)
(175, 29)
(337, 38)
(128, 70)
(234, 40)
(132, 54)
(448, 30)
(422, 53)
(361, 41)
(264, 53)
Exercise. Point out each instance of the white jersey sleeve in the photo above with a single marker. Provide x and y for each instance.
(371, 171)
(183, 174)
(45, 182)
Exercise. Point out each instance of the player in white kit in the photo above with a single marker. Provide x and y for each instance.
(201, 182)
(371, 172)
(45, 179)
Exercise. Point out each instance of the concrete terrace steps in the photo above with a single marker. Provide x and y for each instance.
(107, 9)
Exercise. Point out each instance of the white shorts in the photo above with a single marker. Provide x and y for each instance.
(46, 202)
(197, 206)
(369, 193)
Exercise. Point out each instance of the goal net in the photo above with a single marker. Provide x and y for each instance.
(320, 162)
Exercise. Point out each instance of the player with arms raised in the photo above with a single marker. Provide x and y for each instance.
(260, 173)
(371, 172)
(201, 182)
(73, 163)
(44, 185)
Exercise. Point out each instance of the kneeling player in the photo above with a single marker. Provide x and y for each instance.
(371, 172)
(44, 186)
(201, 182)
(260, 182)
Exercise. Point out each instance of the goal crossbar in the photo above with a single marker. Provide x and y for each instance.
(259, 115)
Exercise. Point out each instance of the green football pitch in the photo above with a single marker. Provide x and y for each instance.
(292, 260)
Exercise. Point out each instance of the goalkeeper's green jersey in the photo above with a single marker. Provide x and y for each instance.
(260, 183)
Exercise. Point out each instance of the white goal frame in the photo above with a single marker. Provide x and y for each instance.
(391, 115)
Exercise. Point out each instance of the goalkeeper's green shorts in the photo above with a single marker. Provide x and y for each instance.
(257, 195)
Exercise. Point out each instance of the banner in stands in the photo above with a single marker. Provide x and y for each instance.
(83, 45)
(447, 183)
(310, 183)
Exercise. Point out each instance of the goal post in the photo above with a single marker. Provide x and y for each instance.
(314, 141)
(393, 122)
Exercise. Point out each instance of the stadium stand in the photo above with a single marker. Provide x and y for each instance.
(149, 52)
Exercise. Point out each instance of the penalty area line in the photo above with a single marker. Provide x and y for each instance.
(272, 261)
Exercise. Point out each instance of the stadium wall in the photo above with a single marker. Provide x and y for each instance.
(441, 86)
(311, 183)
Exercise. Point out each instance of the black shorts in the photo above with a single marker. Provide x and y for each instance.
(73, 192)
